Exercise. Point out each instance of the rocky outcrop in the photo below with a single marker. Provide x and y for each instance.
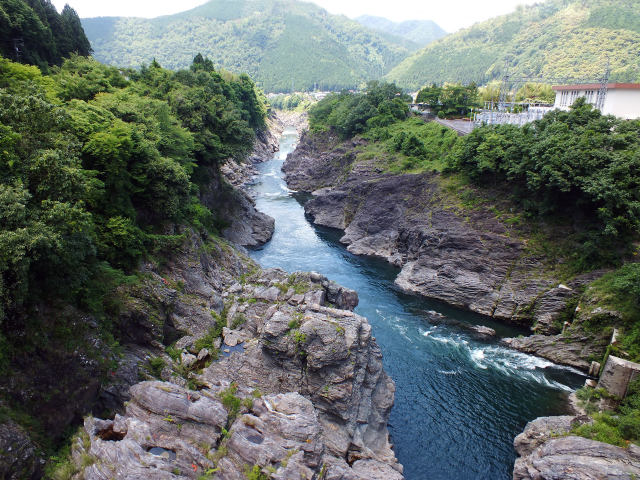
(465, 258)
(548, 451)
(572, 348)
(577, 458)
(542, 429)
(19, 457)
(302, 392)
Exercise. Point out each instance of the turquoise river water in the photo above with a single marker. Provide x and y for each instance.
(460, 400)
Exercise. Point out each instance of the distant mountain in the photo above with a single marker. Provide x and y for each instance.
(557, 38)
(282, 44)
(420, 32)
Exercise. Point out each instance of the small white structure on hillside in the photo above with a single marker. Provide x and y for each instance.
(621, 99)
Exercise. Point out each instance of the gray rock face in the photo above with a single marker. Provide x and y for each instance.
(330, 357)
(547, 453)
(577, 458)
(19, 458)
(542, 429)
(471, 262)
(569, 349)
(303, 389)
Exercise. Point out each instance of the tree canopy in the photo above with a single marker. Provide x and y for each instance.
(32, 31)
(100, 168)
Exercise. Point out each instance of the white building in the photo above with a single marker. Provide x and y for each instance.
(622, 99)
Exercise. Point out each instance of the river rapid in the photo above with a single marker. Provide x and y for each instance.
(460, 399)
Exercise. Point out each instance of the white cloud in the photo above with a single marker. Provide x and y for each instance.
(450, 15)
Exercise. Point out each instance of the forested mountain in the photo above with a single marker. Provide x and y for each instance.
(420, 32)
(32, 31)
(557, 38)
(282, 44)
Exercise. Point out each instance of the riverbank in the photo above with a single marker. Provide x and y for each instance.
(461, 397)
(177, 403)
(466, 257)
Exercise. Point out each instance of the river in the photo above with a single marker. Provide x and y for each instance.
(460, 400)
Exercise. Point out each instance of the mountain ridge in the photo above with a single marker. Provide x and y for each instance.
(283, 44)
(557, 38)
(420, 32)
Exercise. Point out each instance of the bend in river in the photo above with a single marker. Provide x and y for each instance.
(460, 399)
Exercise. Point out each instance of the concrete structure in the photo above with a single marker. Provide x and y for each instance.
(621, 99)
(617, 375)
(495, 117)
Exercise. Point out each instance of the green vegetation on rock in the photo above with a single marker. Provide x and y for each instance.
(620, 427)
(101, 169)
(556, 38)
(349, 114)
(579, 161)
(284, 45)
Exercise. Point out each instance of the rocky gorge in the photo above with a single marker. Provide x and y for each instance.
(225, 370)
(467, 258)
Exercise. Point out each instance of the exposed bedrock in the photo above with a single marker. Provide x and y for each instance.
(548, 452)
(307, 380)
(465, 258)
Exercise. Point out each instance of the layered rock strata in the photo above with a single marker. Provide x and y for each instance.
(299, 390)
(548, 452)
(466, 258)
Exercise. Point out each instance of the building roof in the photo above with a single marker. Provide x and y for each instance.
(596, 86)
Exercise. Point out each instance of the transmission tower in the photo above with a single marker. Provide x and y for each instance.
(602, 92)
(504, 88)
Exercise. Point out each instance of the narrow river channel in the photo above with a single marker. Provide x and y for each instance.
(460, 400)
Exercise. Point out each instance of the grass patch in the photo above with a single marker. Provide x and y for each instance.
(620, 427)
(231, 402)
(618, 291)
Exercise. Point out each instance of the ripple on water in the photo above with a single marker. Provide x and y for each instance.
(459, 400)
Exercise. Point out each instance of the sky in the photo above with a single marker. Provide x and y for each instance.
(449, 14)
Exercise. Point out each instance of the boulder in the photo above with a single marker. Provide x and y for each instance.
(577, 458)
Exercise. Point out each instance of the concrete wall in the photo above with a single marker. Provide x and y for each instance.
(623, 103)
(565, 98)
(617, 375)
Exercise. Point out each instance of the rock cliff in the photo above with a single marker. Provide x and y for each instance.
(299, 388)
(465, 257)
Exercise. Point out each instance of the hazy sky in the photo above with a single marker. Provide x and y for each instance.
(449, 14)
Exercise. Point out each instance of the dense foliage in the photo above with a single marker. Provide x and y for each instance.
(579, 163)
(420, 32)
(294, 101)
(450, 100)
(285, 45)
(350, 114)
(32, 31)
(556, 38)
(99, 169)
